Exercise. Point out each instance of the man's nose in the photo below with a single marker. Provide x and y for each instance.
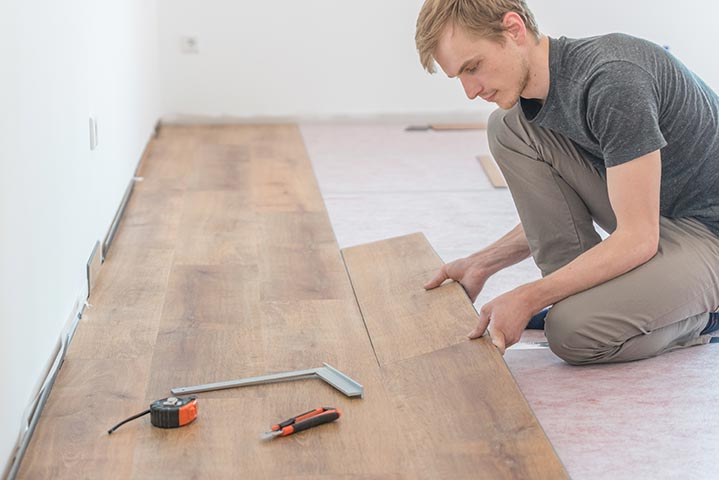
(471, 88)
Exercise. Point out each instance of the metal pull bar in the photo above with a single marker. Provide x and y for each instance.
(329, 374)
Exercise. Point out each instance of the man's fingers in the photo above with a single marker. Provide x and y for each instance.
(481, 326)
(437, 280)
(498, 340)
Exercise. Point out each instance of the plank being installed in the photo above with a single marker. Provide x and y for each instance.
(468, 417)
(226, 267)
(424, 321)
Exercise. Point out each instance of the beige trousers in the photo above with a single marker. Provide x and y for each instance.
(658, 307)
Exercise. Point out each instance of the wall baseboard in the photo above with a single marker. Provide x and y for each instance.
(94, 265)
(32, 413)
(480, 115)
(57, 357)
(110, 236)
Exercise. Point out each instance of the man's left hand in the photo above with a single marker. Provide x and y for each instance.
(506, 316)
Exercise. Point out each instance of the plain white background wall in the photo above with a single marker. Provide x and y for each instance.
(62, 61)
(284, 57)
(336, 58)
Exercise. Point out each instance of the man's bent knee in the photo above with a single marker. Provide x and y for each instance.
(496, 122)
(502, 128)
(570, 340)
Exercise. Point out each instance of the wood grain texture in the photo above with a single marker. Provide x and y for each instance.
(465, 415)
(403, 319)
(468, 417)
(70, 440)
(217, 228)
(226, 267)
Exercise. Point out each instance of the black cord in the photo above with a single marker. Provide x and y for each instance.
(128, 420)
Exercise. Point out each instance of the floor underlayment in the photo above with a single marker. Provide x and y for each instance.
(651, 419)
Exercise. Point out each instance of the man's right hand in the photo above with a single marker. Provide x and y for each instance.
(466, 271)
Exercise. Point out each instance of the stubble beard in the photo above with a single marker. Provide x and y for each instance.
(522, 86)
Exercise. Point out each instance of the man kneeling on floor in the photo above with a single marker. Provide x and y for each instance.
(609, 129)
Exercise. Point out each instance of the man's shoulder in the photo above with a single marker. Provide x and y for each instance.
(583, 59)
(610, 45)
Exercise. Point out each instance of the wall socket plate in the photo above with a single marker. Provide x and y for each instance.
(189, 44)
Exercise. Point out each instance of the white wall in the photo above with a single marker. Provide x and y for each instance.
(62, 61)
(335, 58)
(689, 27)
(308, 58)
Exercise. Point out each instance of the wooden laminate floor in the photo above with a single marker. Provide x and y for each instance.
(226, 266)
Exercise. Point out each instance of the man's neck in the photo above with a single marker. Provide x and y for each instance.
(538, 84)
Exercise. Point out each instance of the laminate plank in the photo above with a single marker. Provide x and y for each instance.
(220, 167)
(306, 264)
(466, 418)
(440, 127)
(463, 415)
(169, 161)
(217, 228)
(297, 273)
(200, 296)
(71, 440)
(282, 177)
(403, 319)
(151, 220)
(205, 341)
(124, 313)
(492, 171)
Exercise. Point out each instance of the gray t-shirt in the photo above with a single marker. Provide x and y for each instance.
(618, 98)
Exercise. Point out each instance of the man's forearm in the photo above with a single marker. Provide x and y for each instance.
(508, 250)
(611, 258)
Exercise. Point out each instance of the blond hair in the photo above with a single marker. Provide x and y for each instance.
(481, 18)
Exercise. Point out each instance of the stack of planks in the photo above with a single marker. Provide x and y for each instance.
(226, 266)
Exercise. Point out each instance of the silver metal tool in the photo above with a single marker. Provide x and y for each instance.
(329, 374)
(529, 346)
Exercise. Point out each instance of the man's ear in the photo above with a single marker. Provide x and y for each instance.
(514, 27)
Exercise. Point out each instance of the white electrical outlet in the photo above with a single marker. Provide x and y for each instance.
(189, 44)
(93, 133)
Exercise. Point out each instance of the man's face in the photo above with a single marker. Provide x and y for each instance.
(487, 69)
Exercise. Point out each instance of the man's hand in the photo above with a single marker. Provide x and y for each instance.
(467, 272)
(506, 316)
(472, 272)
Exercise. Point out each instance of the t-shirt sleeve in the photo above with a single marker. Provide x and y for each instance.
(623, 112)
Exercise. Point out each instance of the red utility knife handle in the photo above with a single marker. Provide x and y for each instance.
(299, 418)
(308, 420)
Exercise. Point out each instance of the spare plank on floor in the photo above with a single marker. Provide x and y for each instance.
(492, 171)
(439, 127)
(447, 127)
(463, 413)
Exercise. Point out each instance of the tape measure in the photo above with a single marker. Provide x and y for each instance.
(171, 412)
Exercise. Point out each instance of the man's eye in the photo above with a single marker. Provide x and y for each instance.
(471, 70)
